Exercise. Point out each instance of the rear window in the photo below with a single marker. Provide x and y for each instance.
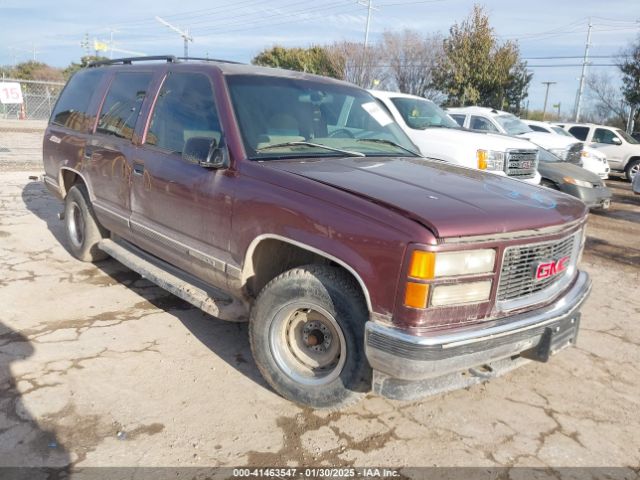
(71, 111)
(579, 132)
(122, 106)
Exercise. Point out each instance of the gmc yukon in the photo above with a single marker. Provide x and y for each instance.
(296, 203)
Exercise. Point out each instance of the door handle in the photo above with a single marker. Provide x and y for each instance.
(138, 168)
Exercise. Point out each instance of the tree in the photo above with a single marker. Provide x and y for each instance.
(476, 69)
(32, 70)
(358, 65)
(412, 59)
(315, 59)
(630, 68)
(606, 103)
(84, 62)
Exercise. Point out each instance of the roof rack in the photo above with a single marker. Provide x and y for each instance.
(203, 59)
(130, 60)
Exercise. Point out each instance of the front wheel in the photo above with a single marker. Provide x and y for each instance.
(632, 169)
(307, 337)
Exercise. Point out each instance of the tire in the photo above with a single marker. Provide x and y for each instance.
(81, 226)
(307, 337)
(632, 169)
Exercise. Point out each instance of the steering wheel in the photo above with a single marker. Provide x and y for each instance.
(341, 133)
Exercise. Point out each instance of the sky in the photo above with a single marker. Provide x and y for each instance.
(238, 30)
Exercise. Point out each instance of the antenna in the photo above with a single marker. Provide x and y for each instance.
(186, 36)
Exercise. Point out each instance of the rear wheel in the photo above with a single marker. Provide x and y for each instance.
(307, 337)
(82, 228)
(632, 169)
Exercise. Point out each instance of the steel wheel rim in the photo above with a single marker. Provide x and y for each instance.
(633, 171)
(76, 225)
(308, 344)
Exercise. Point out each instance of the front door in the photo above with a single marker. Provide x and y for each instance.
(604, 140)
(181, 211)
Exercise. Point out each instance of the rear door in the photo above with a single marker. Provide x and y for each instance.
(181, 210)
(110, 151)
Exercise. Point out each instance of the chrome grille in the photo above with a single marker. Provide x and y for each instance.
(522, 163)
(517, 277)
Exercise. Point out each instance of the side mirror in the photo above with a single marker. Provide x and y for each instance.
(205, 152)
(616, 141)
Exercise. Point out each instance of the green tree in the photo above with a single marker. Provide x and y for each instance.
(315, 59)
(84, 62)
(630, 68)
(475, 68)
(32, 70)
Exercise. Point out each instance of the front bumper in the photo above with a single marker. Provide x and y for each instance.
(592, 197)
(396, 355)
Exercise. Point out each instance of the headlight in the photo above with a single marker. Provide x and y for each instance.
(428, 265)
(490, 160)
(461, 293)
(579, 183)
(561, 153)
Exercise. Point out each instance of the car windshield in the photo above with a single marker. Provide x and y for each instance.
(290, 117)
(420, 114)
(512, 124)
(561, 131)
(546, 156)
(628, 138)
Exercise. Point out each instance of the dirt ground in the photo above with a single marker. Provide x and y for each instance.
(98, 367)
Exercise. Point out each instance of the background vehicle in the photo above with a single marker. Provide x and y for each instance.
(438, 136)
(622, 150)
(296, 202)
(491, 120)
(591, 159)
(636, 185)
(575, 181)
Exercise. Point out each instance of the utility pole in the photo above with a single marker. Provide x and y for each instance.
(369, 5)
(585, 62)
(546, 96)
(183, 33)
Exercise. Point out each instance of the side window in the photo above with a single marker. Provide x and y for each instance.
(537, 128)
(185, 108)
(602, 135)
(122, 105)
(458, 118)
(480, 123)
(580, 133)
(71, 109)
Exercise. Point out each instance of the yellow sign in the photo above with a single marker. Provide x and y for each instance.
(99, 46)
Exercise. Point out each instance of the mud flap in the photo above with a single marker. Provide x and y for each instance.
(554, 339)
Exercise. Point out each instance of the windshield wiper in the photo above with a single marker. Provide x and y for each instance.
(388, 142)
(349, 153)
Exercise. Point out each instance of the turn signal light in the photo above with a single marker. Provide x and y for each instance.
(423, 265)
(482, 159)
(416, 294)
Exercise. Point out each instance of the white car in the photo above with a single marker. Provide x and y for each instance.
(492, 120)
(592, 159)
(621, 149)
(438, 136)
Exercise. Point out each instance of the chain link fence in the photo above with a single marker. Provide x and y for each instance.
(22, 125)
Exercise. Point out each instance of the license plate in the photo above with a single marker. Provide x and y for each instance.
(525, 164)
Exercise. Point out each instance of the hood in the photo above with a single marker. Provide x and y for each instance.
(556, 170)
(485, 140)
(549, 140)
(451, 201)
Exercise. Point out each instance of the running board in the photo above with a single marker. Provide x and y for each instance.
(181, 284)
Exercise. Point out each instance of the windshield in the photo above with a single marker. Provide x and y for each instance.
(628, 138)
(546, 156)
(287, 118)
(561, 131)
(512, 124)
(420, 114)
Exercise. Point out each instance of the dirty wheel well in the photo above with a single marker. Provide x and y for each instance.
(272, 257)
(69, 179)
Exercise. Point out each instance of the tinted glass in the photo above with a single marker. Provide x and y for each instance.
(122, 105)
(579, 132)
(547, 157)
(185, 108)
(420, 114)
(512, 124)
(71, 109)
(288, 117)
(561, 131)
(537, 128)
(602, 135)
(458, 118)
(626, 136)
(479, 123)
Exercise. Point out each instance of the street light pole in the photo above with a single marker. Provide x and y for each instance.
(546, 96)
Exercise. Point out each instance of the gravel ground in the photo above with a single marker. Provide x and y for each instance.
(98, 367)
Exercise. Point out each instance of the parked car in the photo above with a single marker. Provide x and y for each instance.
(593, 160)
(574, 180)
(636, 184)
(438, 136)
(621, 149)
(296, 202)
(491, 120)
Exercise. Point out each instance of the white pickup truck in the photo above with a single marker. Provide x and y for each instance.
(492, 120)
(438, 136)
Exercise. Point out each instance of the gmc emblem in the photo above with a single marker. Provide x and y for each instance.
(549, 269)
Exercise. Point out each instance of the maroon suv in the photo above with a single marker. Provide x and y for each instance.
(296, 203)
